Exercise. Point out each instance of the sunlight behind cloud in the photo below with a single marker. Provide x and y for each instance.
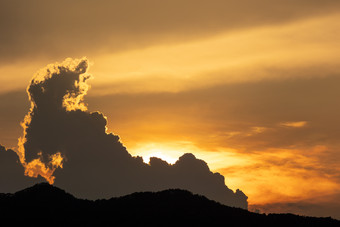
(171, 151)
(169, 154)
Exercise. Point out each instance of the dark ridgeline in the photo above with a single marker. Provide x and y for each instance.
(46, 205)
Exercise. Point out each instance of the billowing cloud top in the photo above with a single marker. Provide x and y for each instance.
(69, 146)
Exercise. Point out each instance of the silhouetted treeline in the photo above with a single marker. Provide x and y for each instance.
(46, 205)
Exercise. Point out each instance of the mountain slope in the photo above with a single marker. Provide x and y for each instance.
(46, 205)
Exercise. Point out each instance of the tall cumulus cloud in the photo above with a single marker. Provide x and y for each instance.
(70, 146)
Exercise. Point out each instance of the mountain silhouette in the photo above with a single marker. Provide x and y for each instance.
(47, 205)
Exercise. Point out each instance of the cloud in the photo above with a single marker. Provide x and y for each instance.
(294, 124)
(231, 112)
(13, 107)
(65, 143)
(278, 164)
(12, 176)
(51, 91)
(114, 25)
(311, 207)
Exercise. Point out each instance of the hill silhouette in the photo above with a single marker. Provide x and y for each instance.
(47, 205)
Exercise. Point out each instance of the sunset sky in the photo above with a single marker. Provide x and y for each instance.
(250, 87)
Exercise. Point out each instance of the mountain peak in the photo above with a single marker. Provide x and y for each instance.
(44, 192)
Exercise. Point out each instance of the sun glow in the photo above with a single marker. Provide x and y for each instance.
(171, 151)
(164, 152)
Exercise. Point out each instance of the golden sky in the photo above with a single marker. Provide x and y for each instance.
(251, 87)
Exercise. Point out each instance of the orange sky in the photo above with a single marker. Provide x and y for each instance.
(250, 89)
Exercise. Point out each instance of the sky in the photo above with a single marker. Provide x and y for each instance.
(249, 87)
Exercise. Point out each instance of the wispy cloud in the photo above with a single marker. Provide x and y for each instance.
(294, 124)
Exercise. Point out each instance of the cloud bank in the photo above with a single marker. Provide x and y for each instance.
(70, 146)
(12, 176)
(117, 25)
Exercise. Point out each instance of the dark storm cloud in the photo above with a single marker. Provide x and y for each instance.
(12, 176)
(95, 163)
(30, 27)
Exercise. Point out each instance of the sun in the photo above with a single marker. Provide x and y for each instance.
(160, 154)
(170, 154)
